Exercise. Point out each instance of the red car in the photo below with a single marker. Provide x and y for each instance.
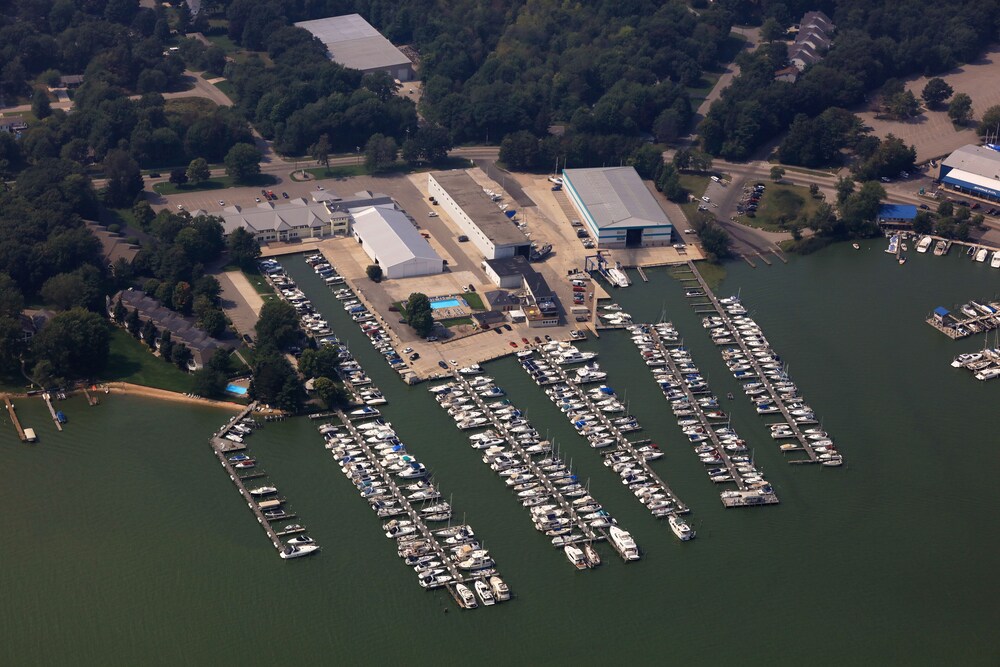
(513, 344)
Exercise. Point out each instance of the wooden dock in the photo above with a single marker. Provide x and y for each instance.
(709, 429)
(13, 418)
(622, 443)
(760, 375)
(956, 328)
(52, 411)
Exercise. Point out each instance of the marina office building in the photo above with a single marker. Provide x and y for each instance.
(389, 238)
(477, 215)
(974, 170)
(616, 207)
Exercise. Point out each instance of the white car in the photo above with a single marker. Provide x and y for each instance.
(689, 231)
(407, 350)
(180, 207)
(432, 214)
(222, 203)
(453, 362)
(706, 199)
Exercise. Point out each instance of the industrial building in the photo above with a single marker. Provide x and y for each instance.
(973, 170)
(540, 308)
(352, 42)
(507, 272)
(390, 239)
(478, 216)
(617, 208)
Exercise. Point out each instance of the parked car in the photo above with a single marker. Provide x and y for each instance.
(285, 195)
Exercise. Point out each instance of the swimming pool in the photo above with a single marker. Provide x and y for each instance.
(236, 389)
(445, 303)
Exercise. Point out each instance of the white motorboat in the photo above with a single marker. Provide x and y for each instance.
(683, 531)
(995, 260)
(500, 590)
(575, 556)
(468, 600)
(924, 244)
(263, 491)
(981, 254)
(485, 594)
(965, 359)
(291, 551)
(624, 543)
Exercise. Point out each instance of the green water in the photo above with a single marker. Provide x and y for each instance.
(124, 543)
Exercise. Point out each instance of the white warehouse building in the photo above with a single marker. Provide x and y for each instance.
(480, 219)
(617, 208)
(390, 239)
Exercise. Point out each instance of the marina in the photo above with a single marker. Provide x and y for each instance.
(373, 458)
(984, 365)
(700, 417)
(588, 412)
(262, 500)
(752, 361)
(560, 507)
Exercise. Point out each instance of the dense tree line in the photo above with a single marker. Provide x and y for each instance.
(875, 42)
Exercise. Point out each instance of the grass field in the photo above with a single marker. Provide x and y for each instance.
(781, 204)
(228, 88)
(474, 300)
(261, 285)
(455, 322)
(695, 184)
(131, 361)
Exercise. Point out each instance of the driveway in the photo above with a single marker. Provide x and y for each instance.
(240, 300)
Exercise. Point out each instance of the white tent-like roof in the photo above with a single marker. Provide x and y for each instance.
(389, 237)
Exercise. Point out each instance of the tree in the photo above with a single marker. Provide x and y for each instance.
(519, 150)
(198, 171)
(11, 298)
(11, 344)
(945, 209)
(777, 173)
(960, 109)
(682, 159)
(243, 249)
(275, 382)
(40, 105)
(132, 322)
(380, 152)
(904, 105)
(213, 323)
(374, 272)
(923, 223)
(243, 162)
(320, 362)
(123, 179)
(119, 312)
(320, 151)
(81, 288)
(331, 393)
(989, 125)
(771, 30)
(181, 300)
(278, 326)
(209, 382)
(669, 184)
(813, 189)
(178, 176)
(143, 213)
(149, 334)
(180, 355)
(936, 92)
(419, 314)
(76, 343)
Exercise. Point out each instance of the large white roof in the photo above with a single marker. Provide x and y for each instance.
(615, 197)
(979, 160)
(267, 216)
(391, 235)
(354, 43)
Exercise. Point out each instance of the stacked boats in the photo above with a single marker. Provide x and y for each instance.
(596, 415)
(765, 380)
(699, 415)
(397, 487)
(560, 506)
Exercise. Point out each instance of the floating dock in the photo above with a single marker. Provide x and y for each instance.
(961, 324)
(621, 442)
(761, 496)
(761, 377)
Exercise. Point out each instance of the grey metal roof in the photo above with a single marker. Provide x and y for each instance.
(977, 160)
(470, 197)
(616, 197)
(268, 216)
(354, 43)
(392, 236)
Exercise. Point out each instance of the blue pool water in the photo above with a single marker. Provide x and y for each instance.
(236, 389)
(445, 303)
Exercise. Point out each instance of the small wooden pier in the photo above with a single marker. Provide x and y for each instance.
(967, 325)
(13, 418)
(52, 411)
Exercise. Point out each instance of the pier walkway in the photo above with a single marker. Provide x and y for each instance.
(590, 535)
(220, 447)
(400, 497)
(956, 328)
(621, 442)
(708, 428)
(13, 418)
(779, 402)
(52, 411)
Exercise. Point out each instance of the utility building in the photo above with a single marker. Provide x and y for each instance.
(616, 207)
(392, 242)
(354, 43)
(974, 170)
(483, 222)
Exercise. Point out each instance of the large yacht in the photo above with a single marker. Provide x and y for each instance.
(485, 594)
(500, 590)
(683, 531)
(466, 596)
(623, 541)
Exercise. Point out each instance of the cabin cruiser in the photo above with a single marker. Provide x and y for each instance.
(681, 529)
(965, 359)
(485, 594)
(468, 600)
(575, 556)
(499, 588)
(623, 541)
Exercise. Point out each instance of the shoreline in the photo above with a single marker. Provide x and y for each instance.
(128, 388)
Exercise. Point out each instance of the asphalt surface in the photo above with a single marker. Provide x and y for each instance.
(509, 184)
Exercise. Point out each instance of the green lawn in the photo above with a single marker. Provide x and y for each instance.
(474, 300)
(781, 203)
(131, 361)
(455, 321)
(261, 285)
(228, 88)
(217, 183)
(695, 184)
